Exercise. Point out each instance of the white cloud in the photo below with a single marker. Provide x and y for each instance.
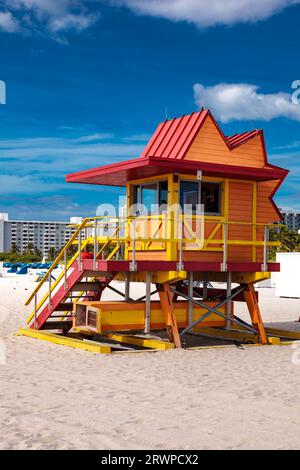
(237, 102)
(56, 17)
(39, 164)
(208, 12)
(94, 137)
(289, 146)
(33, 170)
(16, 184)
(75, 22)
(8, 23)
(89, 152)
(47, 16)
(52, 8)
(137, 138)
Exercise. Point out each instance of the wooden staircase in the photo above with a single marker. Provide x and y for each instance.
(54, 310)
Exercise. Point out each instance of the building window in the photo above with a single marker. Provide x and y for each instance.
(206, 193)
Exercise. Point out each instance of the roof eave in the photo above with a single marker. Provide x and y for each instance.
(105, 169)
(157, 165)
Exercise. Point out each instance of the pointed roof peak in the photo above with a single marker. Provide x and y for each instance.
(174, 136)
(239, 139)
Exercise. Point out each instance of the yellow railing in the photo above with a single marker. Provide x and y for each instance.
(122, 235)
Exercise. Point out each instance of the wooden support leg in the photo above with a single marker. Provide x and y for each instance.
(255, 314)
(191, 294)
(127, 287)
(166, 300)
(228, 305)
(148, 303)
(96, 296)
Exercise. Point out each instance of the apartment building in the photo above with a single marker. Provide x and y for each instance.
(41, 234)
(291, 219)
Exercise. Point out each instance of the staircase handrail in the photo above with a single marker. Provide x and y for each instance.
(56, 261)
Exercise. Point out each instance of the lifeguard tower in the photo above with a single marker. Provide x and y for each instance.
(188, 163)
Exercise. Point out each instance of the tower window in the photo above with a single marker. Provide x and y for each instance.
(206, 193)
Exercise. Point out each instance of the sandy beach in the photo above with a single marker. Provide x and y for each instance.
(53, 397)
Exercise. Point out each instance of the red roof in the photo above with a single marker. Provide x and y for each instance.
(238, 139)
(171, 140)
(117, 174)
(173, 137)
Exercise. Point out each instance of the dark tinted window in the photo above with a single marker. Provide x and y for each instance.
(189, 194)
(211, 197)
(163, 193)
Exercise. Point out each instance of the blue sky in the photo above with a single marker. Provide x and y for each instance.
(88, 81)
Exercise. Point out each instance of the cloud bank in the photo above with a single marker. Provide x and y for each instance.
(39, 164)
(8, 23)
(206, 13)
(55, 17)
(237, 102)
(50, 17)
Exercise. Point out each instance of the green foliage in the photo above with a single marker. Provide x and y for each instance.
(31, 254)
(20, 258)
(32, 250)
(53, 253)
(289, 240)
(14, 248)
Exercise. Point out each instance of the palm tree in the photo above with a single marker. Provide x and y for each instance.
(14, 248)
(52, 253)
(289, 239)
(29, 250)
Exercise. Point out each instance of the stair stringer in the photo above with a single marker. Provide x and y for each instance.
(58, 297)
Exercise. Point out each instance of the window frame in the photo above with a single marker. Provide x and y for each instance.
(200, 183)
(137, 189)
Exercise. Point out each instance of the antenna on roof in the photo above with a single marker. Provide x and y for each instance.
(166, 113)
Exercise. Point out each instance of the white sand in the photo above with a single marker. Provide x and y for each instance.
(53, 397)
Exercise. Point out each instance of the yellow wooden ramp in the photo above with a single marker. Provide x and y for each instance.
(66, 341)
